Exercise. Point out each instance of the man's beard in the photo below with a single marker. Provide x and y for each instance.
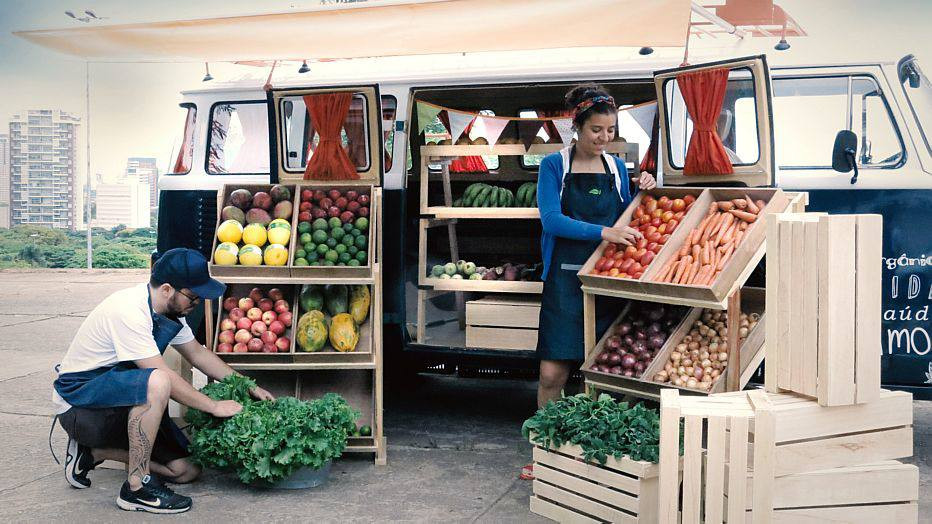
(174, 309)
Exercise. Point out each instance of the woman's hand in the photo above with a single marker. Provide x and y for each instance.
(647, 181)
(621, 235)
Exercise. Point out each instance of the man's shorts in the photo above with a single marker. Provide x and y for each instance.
(105, 428)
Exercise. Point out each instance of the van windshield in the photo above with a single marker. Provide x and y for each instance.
(919, 93)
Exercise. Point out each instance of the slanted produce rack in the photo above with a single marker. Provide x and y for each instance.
(437, 211)
(358, 375)
(724, 293)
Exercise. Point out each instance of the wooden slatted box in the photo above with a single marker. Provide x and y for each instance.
(569, 489)
(503, 322)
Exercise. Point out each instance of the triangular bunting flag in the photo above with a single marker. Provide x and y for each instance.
(527, 130)
(425, 115)
(644, 115)
(458, 123)
(489, 127)
(565, 128)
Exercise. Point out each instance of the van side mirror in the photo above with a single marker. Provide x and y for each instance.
(843, 159)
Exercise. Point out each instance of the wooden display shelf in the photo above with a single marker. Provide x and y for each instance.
(750, 356)
(513, 213)
(242, 290)
(736, 271)
(489, 286)
(435, 151)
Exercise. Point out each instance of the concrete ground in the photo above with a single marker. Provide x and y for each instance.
(454, 444)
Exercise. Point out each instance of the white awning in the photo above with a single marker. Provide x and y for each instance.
(397, 29)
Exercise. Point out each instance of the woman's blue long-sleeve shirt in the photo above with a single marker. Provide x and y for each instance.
(555, 223)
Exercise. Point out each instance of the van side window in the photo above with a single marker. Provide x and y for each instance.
(182, 159)
(301, 137)
(437, 131)
(238, 142)
(389, 110)
(533, 161)
(809, 111)
(919, 94)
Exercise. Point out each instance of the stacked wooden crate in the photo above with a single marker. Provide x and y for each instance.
(822, 441)
(503, 322)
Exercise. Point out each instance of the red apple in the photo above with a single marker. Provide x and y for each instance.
(256, 295)
(225, 347)
(281, 306)
(276, 294)
(226, 336)
(270, 316)
(353, 206)
(363, 212)
(240, 347)
(306, 195)
(318, 213)
(229, 303)
(243, 336)
(254, 314)
(258, 328)
(347, 216)
(285, 318)
(351, 195)
(333, 211)
(236, 314)
(341, 202)
(243, 323)
(305, 206)
(283, 344)
(305, 216)
(254, 345)
(334, 194)
(246, 303)
(318, 195)
(363, 199)
(325, 203)
(266, 304)
(227, 324)
(277, 327)
(268, 337)
(269, 348)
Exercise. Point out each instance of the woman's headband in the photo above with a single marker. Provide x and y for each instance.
(589, 102)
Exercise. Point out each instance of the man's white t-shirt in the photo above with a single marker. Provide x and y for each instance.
(119, 329)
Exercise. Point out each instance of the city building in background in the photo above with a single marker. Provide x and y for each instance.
(146, 170)
(43, 154)
(124, 202)
(4, 181)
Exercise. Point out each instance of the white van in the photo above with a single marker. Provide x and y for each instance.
(231, 136)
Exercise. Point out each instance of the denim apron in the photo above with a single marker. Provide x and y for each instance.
(122, 384)
(592, 198)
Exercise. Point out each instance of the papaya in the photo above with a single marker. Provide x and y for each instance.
(311, 332)
(311, 298)
(359, 300)
(344, 333)
(336, 299)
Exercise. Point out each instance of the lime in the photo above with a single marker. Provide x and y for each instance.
(361, 242)
(305, 238)
(365, 431)
(331, 243)
(332, 256)
(319, 236)
(352, 262)
(361, 257)
(352, 250)
(348, 240)
(337, 233)
(340, 249)
(319, 224)
(304, 227)
(345, 257)
(355, 232)
(334, 222)
(322, 249)
(300, 254)
(300, 262)
(362, 223)
(347, 227)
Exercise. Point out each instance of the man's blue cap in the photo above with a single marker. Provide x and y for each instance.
(187, 268)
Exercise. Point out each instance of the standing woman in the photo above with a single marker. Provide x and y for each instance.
(581, 193)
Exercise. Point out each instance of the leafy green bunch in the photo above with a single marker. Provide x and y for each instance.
(269, 440)
(602, 427)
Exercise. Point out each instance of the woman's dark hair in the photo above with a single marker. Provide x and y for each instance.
(585, 92)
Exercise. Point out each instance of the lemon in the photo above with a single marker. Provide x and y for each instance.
(254, 234)
(279, 235)
(280, 222)
(276, 255)
(230, 231)
(226, 254)
(250, 255)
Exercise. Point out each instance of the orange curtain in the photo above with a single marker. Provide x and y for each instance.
(704, 92)
(356, 132)
(549, 127)
(330, 162)
(649, 162)
(186, 151)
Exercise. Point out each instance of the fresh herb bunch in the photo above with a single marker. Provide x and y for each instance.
(268, 441)
(601, 427)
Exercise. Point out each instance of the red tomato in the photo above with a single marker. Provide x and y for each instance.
(630, 251)
(667, 216)
(679, 204)
(657, 213)
(635, 269)
(651, 206)
(618, 255)
(627, 265)
(637, 275)
(662, 229)
(639, 212)
(644, 219)
(656, 221)
(671, 226)
(689, 199)
(642, 242)
(648, 198)
(618, 262)
(652, 246)
(646, 258)
(650, 230)
(663, 239)
(679, 216)
(610, 250)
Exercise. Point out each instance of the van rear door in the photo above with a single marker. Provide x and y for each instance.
(744, 123)
(295, 135)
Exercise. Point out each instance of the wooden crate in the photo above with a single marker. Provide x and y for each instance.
(826, 326)
(569, 489)
(255, 272)
(882, 492)
(504, 311)
(515, 339)
(732, 277)
(338, 273)
(242, 290)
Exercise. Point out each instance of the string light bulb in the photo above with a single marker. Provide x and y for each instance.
(304, 68)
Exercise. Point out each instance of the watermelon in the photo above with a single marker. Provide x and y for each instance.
(336, 299)
(344, 334)
(311, 298)
(311, 332)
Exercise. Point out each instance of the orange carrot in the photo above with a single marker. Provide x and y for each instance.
(740, 203)
(687, 263)
(704, 225)
(761, 204)
(697, 250)
(725, 256)
(705, 272)
(752, 207)
(744, 215)
(680, 269)
(693, 269)
(714, 226)
(738, 236)
(713, 208)
(726, 205)
(726, 222)
(729, 235)
(665, 270)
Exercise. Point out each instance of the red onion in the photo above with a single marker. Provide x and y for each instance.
(640, 335)
(656, 341)
(628, 373)
(602, 358)
(615, 358)
(615, 370)
(639, 345)
(629, 340)
(654, 328)
(639, 367)
(624, 328)
(628, 361)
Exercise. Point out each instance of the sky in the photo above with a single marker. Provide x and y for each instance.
(134, 107)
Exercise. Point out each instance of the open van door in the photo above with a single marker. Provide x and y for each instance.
(295, 134)
(743, 124)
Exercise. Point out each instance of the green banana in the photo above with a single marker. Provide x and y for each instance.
(472, 189)
(511, 198)
(493, 199)
(524, 194)
(482, 196)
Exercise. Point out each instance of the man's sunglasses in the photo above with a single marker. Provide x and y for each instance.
(193, 298)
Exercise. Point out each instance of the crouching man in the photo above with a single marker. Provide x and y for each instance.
(113, 386)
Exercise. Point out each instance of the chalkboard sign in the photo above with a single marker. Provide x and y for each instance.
(906, 333)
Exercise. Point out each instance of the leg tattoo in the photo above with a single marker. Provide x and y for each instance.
(140, 445)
